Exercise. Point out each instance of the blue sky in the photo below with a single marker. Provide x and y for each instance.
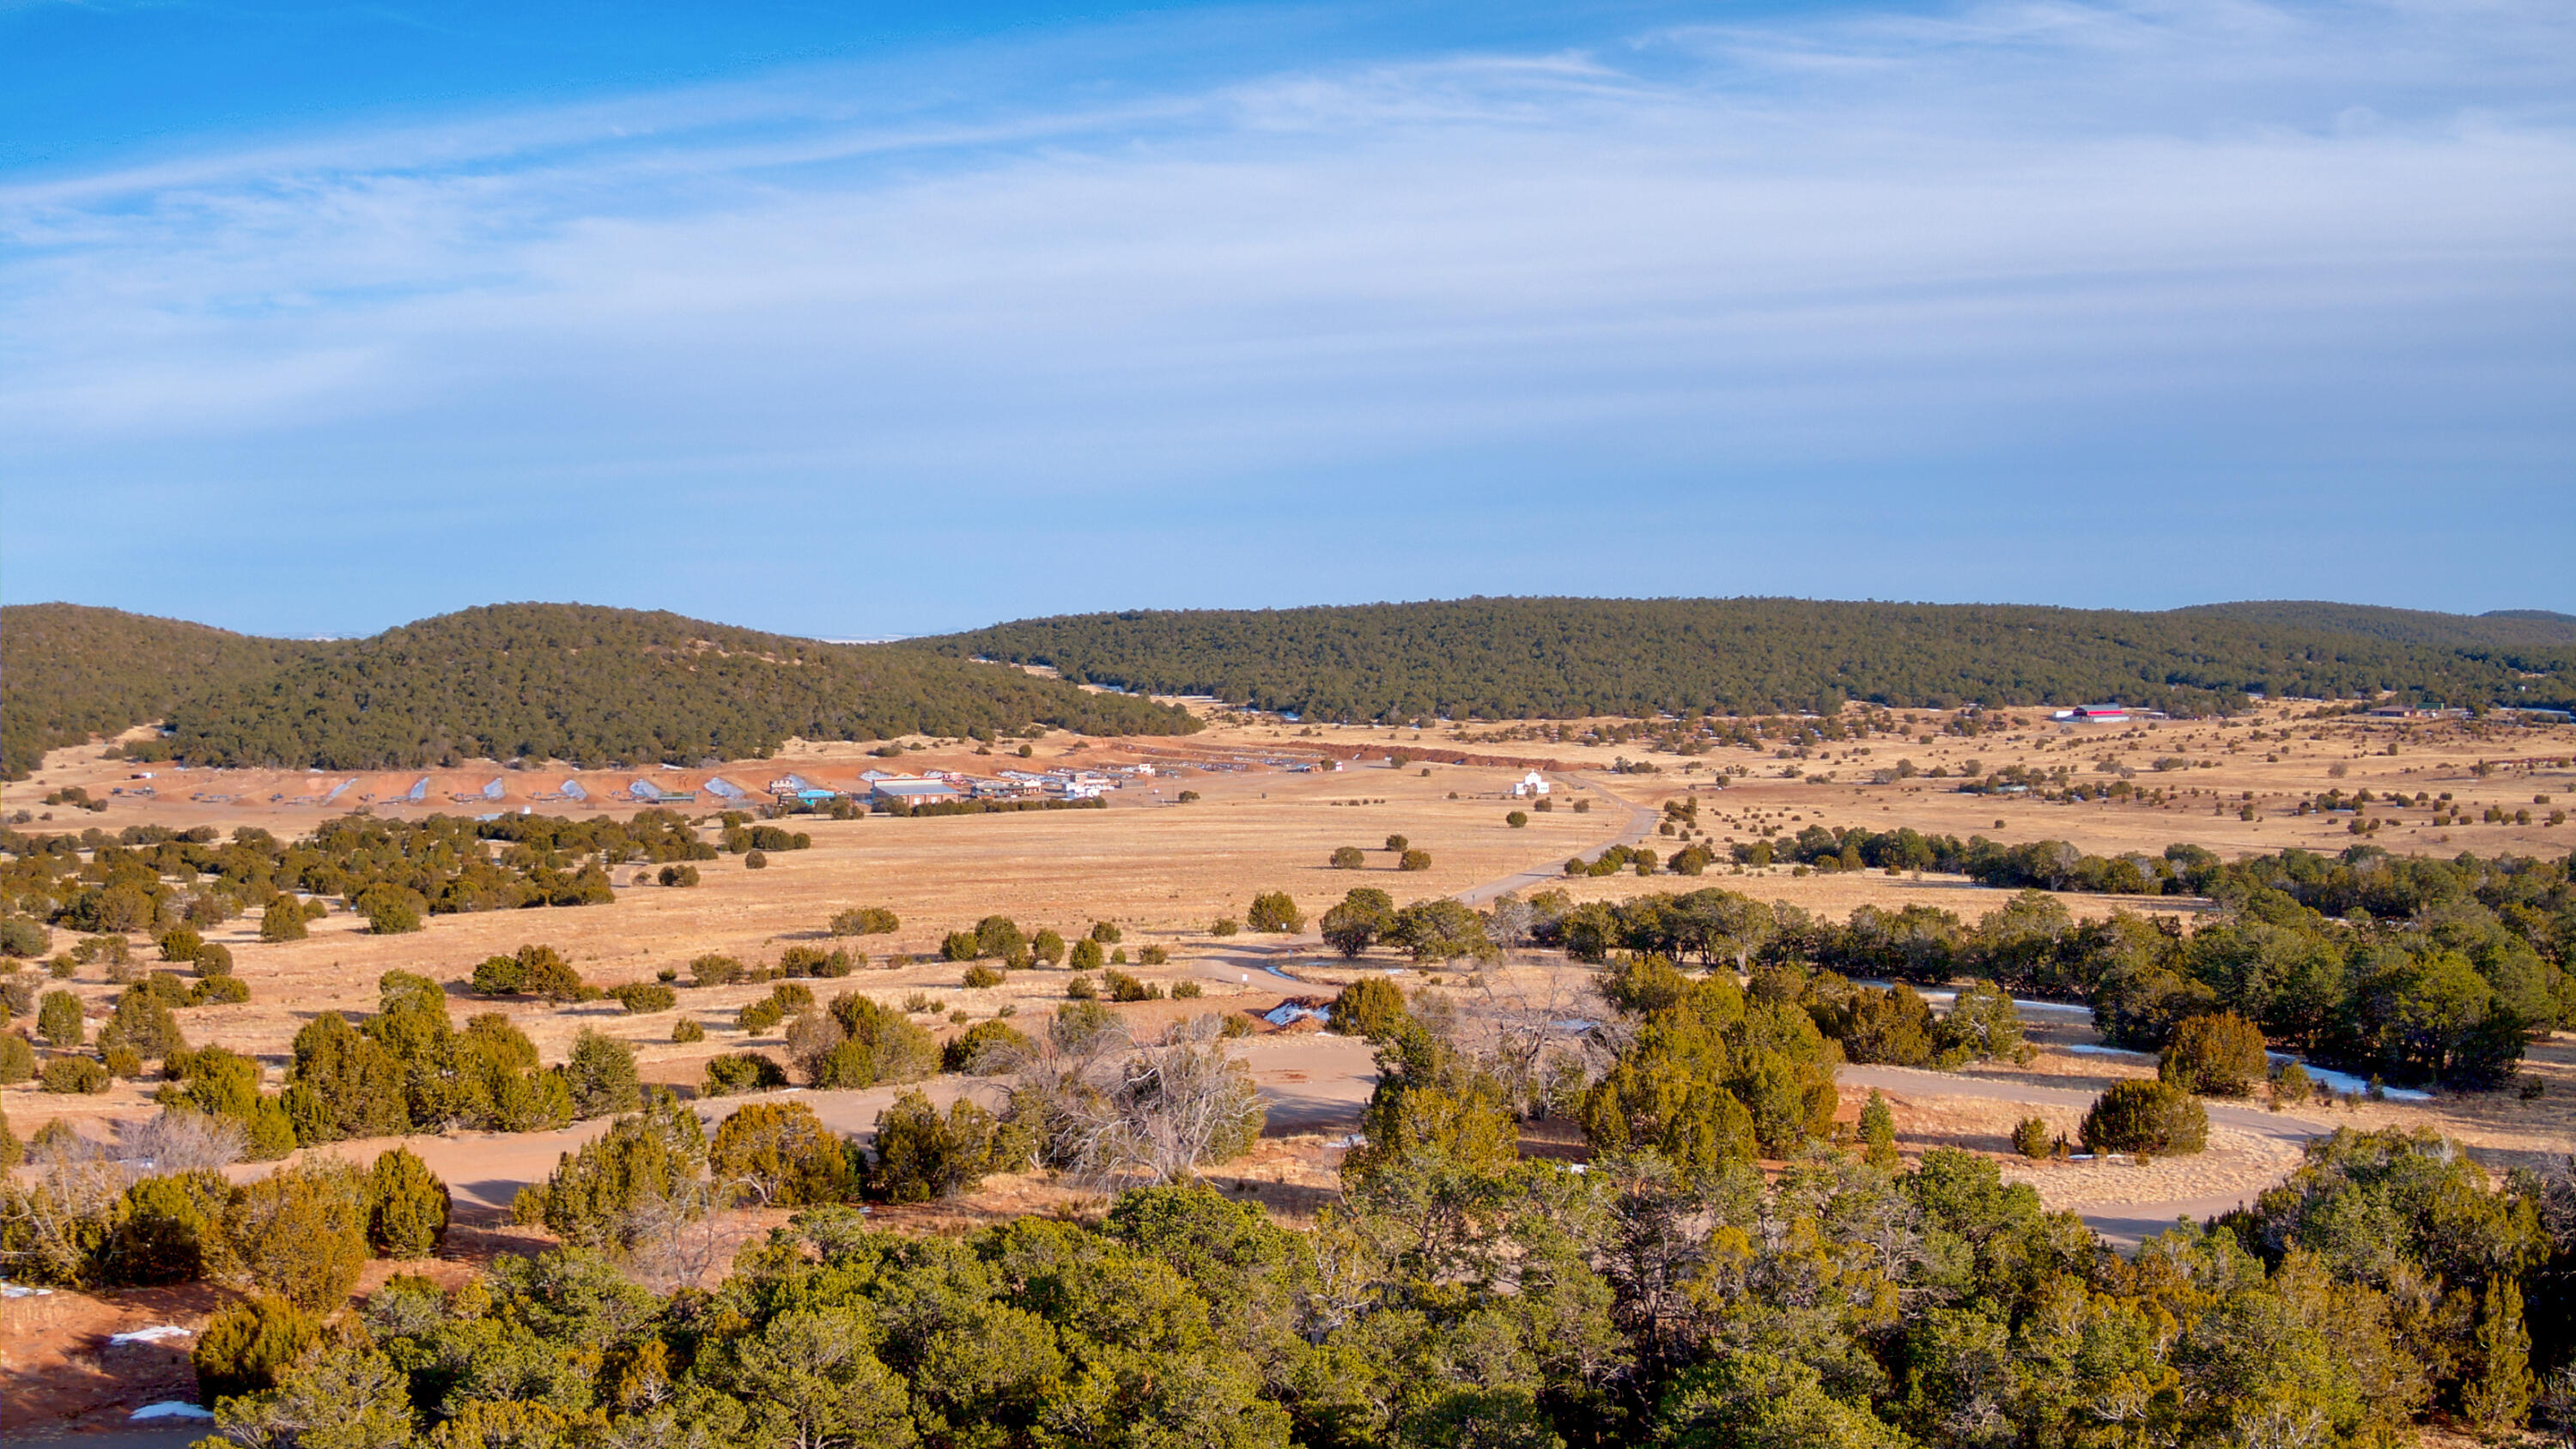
(850, 321)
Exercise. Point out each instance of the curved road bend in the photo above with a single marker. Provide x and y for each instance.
(1642, 820)
(2125, 1224)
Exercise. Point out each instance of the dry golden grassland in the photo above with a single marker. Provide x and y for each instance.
(1164, 871)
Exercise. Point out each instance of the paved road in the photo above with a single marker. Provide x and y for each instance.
(1642, 820)
(2123, 1223)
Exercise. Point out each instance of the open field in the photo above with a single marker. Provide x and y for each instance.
(1164, 871)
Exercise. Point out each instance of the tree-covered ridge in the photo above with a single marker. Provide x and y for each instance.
(1565, 658)
(2502, 629)
(593, 686)
(67, 672)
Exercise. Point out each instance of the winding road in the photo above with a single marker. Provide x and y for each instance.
(1642, 820)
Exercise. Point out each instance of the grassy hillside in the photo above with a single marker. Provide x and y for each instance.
(1522, 658)
(590, 685)
(67, 672)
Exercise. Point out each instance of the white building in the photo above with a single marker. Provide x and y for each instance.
(1532, 783)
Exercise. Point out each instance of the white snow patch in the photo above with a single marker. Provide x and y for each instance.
(151, 1335)
(169, 1409)
(2347, 1083)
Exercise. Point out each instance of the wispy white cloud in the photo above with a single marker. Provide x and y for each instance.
(2000, 236)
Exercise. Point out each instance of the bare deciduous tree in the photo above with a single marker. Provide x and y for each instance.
(1110, 1109)
(177, 1141)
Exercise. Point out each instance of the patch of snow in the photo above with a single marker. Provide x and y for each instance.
(2096, 1049)
(151, 1335)
(14, 1290)
(1288, 1011)
(2346, 1082)
(169, 1409)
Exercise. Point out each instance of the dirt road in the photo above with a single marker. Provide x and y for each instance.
(1642, 820)
(2124, 1223)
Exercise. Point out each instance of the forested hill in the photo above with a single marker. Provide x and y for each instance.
(561, 681)
(67, 672)
(1560, 658)
(2505, 630)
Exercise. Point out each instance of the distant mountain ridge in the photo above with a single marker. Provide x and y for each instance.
(1503, 658)
(596, 685)
(564, 681)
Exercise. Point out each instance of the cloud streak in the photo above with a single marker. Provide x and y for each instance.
(2174, 247)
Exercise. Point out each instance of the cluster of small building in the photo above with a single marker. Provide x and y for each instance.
(941, 787)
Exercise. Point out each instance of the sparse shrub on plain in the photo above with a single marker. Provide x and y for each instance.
(22, 936)
(301, 1232)
(17, 1059)
(985, 1048)
(168, 1229)
(653, 1158)
(59, 1020)
(539, 971)
(1080, 988)
(1878, 1132)
(1123, 987)
(644, 998)
(687, 1029)
(600, 1074)
(1414, 860)
(979, 976)
(407, 1206)
(1370, 1007)
(2031, 1137)
(2219, 1054)
(1981, 1025)
(2290, 1085)
(2149, 1117)
(246, 1348)
(1153, 955)
(920, 1156)
(715, 970)
(220, 991)
(1276, 913)
(865, 921)
(1348, 857)
(1088, 955)
(70, 1076)
(779, 1154)
(882, 1046)
(391, 910)
(738, 1072)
